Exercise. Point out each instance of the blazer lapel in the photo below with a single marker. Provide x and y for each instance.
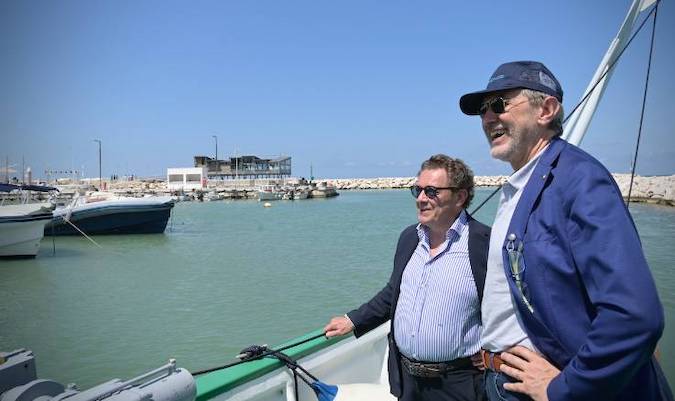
(533, 189)
(537, 330)
(478, 246)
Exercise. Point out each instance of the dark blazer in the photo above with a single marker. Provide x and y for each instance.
(383, 305)
(597, 315)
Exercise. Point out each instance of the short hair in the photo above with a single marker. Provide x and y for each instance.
(536, 98)
(459, 174)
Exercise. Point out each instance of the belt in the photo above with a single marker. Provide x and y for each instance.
(491, 360)
(434, 369)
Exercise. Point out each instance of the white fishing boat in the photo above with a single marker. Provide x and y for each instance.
(103, 213)
(269, 193)
(322, 190)
(300, 193)
(22, 226)
(214, 196)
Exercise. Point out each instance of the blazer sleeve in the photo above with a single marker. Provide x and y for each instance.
(627, 314)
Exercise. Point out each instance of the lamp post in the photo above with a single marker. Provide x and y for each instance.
(100, 179)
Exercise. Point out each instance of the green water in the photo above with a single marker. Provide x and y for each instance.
(226, 275)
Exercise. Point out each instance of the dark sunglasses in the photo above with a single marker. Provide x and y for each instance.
(429, 191)
(497, 105)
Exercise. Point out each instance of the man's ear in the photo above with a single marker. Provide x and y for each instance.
(462, 196)
(549, 109)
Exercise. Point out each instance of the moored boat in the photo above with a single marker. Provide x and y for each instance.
(269, 192)
(105, 214)
(21, 226)
(19, 382)
(323, 190)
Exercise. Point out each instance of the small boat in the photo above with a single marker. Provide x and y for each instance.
(269, 192)
(22, 226)
(102, 213)
(323, 190)
(300, 193)
(19, 382)
(214, 196)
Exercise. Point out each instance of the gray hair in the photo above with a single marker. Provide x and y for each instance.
(459, 174)
(537, 99)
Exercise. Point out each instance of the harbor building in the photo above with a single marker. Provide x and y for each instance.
(245, 167)
(186, 179)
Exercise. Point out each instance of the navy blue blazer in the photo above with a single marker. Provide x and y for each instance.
(597, 315)
(383, 305)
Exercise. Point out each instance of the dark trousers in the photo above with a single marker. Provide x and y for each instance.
(494, 387)
(459, 385)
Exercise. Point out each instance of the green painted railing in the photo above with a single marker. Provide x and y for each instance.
(215, 383)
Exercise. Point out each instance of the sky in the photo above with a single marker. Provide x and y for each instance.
(351, 88)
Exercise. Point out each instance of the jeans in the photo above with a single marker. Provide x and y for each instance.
(494, 387)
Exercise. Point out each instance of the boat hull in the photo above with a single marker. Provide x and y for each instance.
(357, 366)
(112, 220)
(269, 196)
(20, 236)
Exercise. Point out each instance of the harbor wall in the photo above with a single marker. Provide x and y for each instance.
(650, 189)
(653, 189)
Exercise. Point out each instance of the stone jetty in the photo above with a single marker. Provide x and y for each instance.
(652, 189)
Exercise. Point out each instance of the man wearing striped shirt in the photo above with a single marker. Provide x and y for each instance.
(433, 295)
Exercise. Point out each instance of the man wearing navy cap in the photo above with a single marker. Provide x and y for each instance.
(570, 310)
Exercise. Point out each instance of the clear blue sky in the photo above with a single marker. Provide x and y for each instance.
(356, 88)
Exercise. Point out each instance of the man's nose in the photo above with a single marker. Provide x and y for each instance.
(488, 116)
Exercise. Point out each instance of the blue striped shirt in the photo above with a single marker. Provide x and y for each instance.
(438, 313)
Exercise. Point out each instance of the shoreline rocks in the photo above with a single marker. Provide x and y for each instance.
(653, 189)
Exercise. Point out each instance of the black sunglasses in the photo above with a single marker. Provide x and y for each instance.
(497, 105)
(429, 191)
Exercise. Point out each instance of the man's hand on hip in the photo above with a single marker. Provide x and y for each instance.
(533, 372)
(338, 326)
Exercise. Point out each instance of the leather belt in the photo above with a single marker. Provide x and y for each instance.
(434, 369)
(491, 360)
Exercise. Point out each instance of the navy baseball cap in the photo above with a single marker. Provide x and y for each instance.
(517, 74)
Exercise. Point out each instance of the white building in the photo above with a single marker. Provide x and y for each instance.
(186, 178)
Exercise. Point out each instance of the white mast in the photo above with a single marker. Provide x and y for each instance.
(576, 127)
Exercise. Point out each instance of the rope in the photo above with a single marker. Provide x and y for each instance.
(644, 101)
(82, 232)
(258, 352)
(583, 99)
(53, 240)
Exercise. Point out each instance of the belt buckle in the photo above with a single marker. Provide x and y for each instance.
(418, 369)
(491, 360)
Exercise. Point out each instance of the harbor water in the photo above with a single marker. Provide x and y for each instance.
(226, 275)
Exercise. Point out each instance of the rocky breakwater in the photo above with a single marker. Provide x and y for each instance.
(400, 182)
(653, 189)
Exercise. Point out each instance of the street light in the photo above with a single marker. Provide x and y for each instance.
(216, 138)
(100, 180)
